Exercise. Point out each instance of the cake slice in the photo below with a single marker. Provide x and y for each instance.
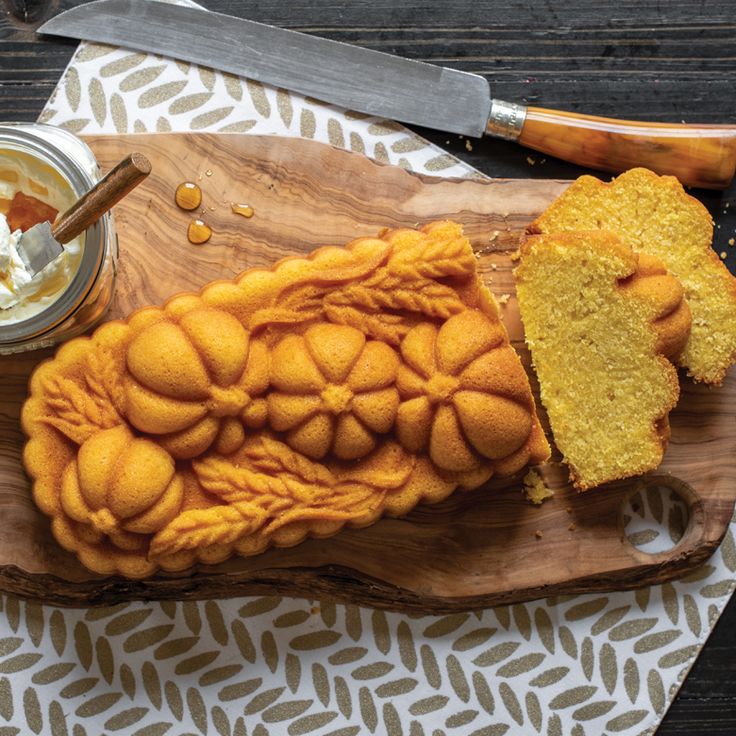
(653, 215)
(598, 325)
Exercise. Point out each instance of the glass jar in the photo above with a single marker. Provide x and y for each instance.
(76, 297)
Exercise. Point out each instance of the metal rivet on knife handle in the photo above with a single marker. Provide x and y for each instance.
(103, 196)
(506, 119)
(698, 155)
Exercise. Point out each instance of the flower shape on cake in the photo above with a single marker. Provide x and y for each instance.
(333, 390)
(464, 393)
(121, 487)
(192, 382)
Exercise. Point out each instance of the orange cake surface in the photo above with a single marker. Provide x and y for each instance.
(286, 403)
(601, 323)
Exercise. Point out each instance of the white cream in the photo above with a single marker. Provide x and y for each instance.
(13, 274)
(20, 296)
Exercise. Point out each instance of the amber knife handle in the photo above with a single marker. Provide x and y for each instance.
(127, 175)
(698, 155)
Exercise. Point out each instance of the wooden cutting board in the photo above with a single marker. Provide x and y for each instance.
(476, 549)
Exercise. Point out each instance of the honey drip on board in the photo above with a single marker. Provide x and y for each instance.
(188, 196)
(198, 232)
(242, 209)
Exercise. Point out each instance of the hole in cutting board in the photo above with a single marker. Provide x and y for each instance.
(655, 516)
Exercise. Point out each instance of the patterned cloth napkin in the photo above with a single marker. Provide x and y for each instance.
(568, 665)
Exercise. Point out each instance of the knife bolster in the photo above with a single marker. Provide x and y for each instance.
(506, 119)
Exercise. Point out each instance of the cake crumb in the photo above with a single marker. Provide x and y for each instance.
(468, 145)
(538, 534)
(572, 527)
(516, 255)
(731, 241)
(569, 509)
(534, 487)
(723, 255)
(503, 299)
(494, 235)
(531, 161)
(494, 266)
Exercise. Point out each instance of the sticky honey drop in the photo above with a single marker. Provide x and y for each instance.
(242, 209)
(188, 196)
(198, 232)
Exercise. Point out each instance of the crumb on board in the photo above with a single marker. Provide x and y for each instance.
(569, 509)
(723, 255)
(494, 235)
(468, 145)
(516, 255)
(494, 266)
(572, 527)
(535, 489)
(503, 299)
(731, 241)
(538, 534)
(531, 161)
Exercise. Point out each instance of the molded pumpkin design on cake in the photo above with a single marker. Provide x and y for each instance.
(334, 391)
(121, 487)
(671, 319)
(466, 396)
(191, 382)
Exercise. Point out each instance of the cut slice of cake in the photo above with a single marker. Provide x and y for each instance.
(593, 322)
(653, 215)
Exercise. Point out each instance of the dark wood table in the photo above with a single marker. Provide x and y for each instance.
(642, 60)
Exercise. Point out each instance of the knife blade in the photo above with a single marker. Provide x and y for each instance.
(350, 76)
(388, 86)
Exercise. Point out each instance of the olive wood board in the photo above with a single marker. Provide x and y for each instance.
(476, 549)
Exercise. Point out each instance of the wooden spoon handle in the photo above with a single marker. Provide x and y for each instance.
(698, 155)
(107, 192)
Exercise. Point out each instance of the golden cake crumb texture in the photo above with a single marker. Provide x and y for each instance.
(590, 322)
(535, 488)
(654, 215)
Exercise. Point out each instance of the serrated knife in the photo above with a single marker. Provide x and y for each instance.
(400, 89)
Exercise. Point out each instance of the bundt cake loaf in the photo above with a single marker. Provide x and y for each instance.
(599, 320)
(653, 215)
(286, 403)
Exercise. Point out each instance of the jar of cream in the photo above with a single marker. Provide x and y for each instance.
(54, 168)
